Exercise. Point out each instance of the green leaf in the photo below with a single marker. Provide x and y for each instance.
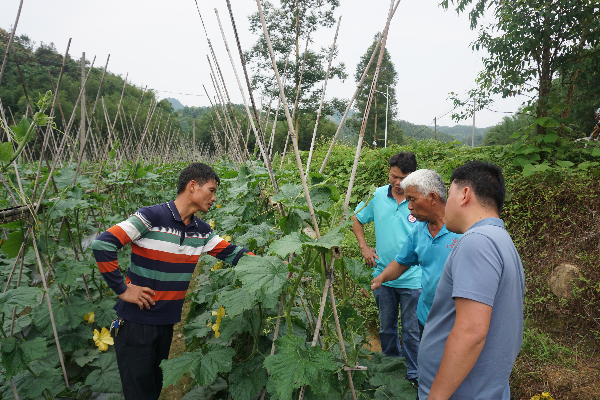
(596, 152)
(331, 239)
(175, 368)
(20, 130)
(359, 272)
(206, 392)
(237, 300)
(72, 313)
(288, 244)
(268, 274)
(258, 234)
(529, 170)
(85, 356)
(104, 312)
(247, 379)
(550, 137)
(105, 379)
(287, 192)
(12, 246)
(20, 298)
(68, 271)
(218, 359)
(295, 364)
(17, 356)
(7, 152)
(564, 164)
(35, 386)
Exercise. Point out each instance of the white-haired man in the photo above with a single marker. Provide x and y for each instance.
(429, 243)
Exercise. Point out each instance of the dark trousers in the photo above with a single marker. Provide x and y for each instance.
(140, 349)
(421, 329)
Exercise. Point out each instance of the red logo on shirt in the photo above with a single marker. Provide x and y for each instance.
(411, 219)
(454, 241)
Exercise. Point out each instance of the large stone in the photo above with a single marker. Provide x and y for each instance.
(563, 279)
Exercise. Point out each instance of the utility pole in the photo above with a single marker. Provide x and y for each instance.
(473, 138)
(82, 123)
(194, 135)
(387, 102)
(435, 130)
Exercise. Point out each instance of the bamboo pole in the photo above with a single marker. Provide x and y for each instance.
(85, 133)
(49, 128)
(367, 109)
(10, 41)
(58, 348)
(257, 135)
(341, 124)
(235, 142)
(289, 119)
(272, 141)
(312, 143)
(297, 99)
(238, 126)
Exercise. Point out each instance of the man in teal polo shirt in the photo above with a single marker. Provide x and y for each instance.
(429, 244)
(388, 210)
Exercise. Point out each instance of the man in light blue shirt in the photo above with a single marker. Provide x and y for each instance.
(388, 210)
(475, 327)
(429, 243)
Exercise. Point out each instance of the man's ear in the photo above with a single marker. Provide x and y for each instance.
(433, 198)
(467, 195)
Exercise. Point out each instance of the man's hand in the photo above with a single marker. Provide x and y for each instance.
(369, 255)
(138, 295)
(376, 282)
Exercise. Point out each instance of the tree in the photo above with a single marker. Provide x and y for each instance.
(532, 40)
(288, 26)
(386, 82)
(501, 133)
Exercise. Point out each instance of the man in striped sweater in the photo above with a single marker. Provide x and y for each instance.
(167, 241)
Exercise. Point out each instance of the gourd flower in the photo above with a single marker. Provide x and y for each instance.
(103, 339)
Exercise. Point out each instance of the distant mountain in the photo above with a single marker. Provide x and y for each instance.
(464, 133)
(422, 132)
(175, 103)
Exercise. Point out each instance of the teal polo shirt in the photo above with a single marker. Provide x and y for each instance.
(429, 254)
(393, 224)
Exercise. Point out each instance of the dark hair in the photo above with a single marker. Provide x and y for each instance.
(198, 172)
(405, 160)
(485, 180)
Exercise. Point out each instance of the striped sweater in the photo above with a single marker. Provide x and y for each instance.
(164, 255)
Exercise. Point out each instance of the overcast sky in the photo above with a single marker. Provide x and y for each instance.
(162, 44)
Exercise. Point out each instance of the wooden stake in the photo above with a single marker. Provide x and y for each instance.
(312, 143)
(367, 109)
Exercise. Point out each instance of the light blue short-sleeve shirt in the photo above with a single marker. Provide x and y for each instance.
(485, 267)
(393, 223)
(420, 248)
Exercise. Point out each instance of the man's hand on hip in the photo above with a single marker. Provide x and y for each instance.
(369, 255)
(138, 295)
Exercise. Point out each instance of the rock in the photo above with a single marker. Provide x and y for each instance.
(563, 279)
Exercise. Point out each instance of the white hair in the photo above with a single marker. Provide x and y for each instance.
(426, 181)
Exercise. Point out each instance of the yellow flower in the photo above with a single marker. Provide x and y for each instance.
(103, 339)
(220, 313)
(219, 205)
(217, 266)
(227, 238)
(543, 396)
(89, 317)
(212, 224)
